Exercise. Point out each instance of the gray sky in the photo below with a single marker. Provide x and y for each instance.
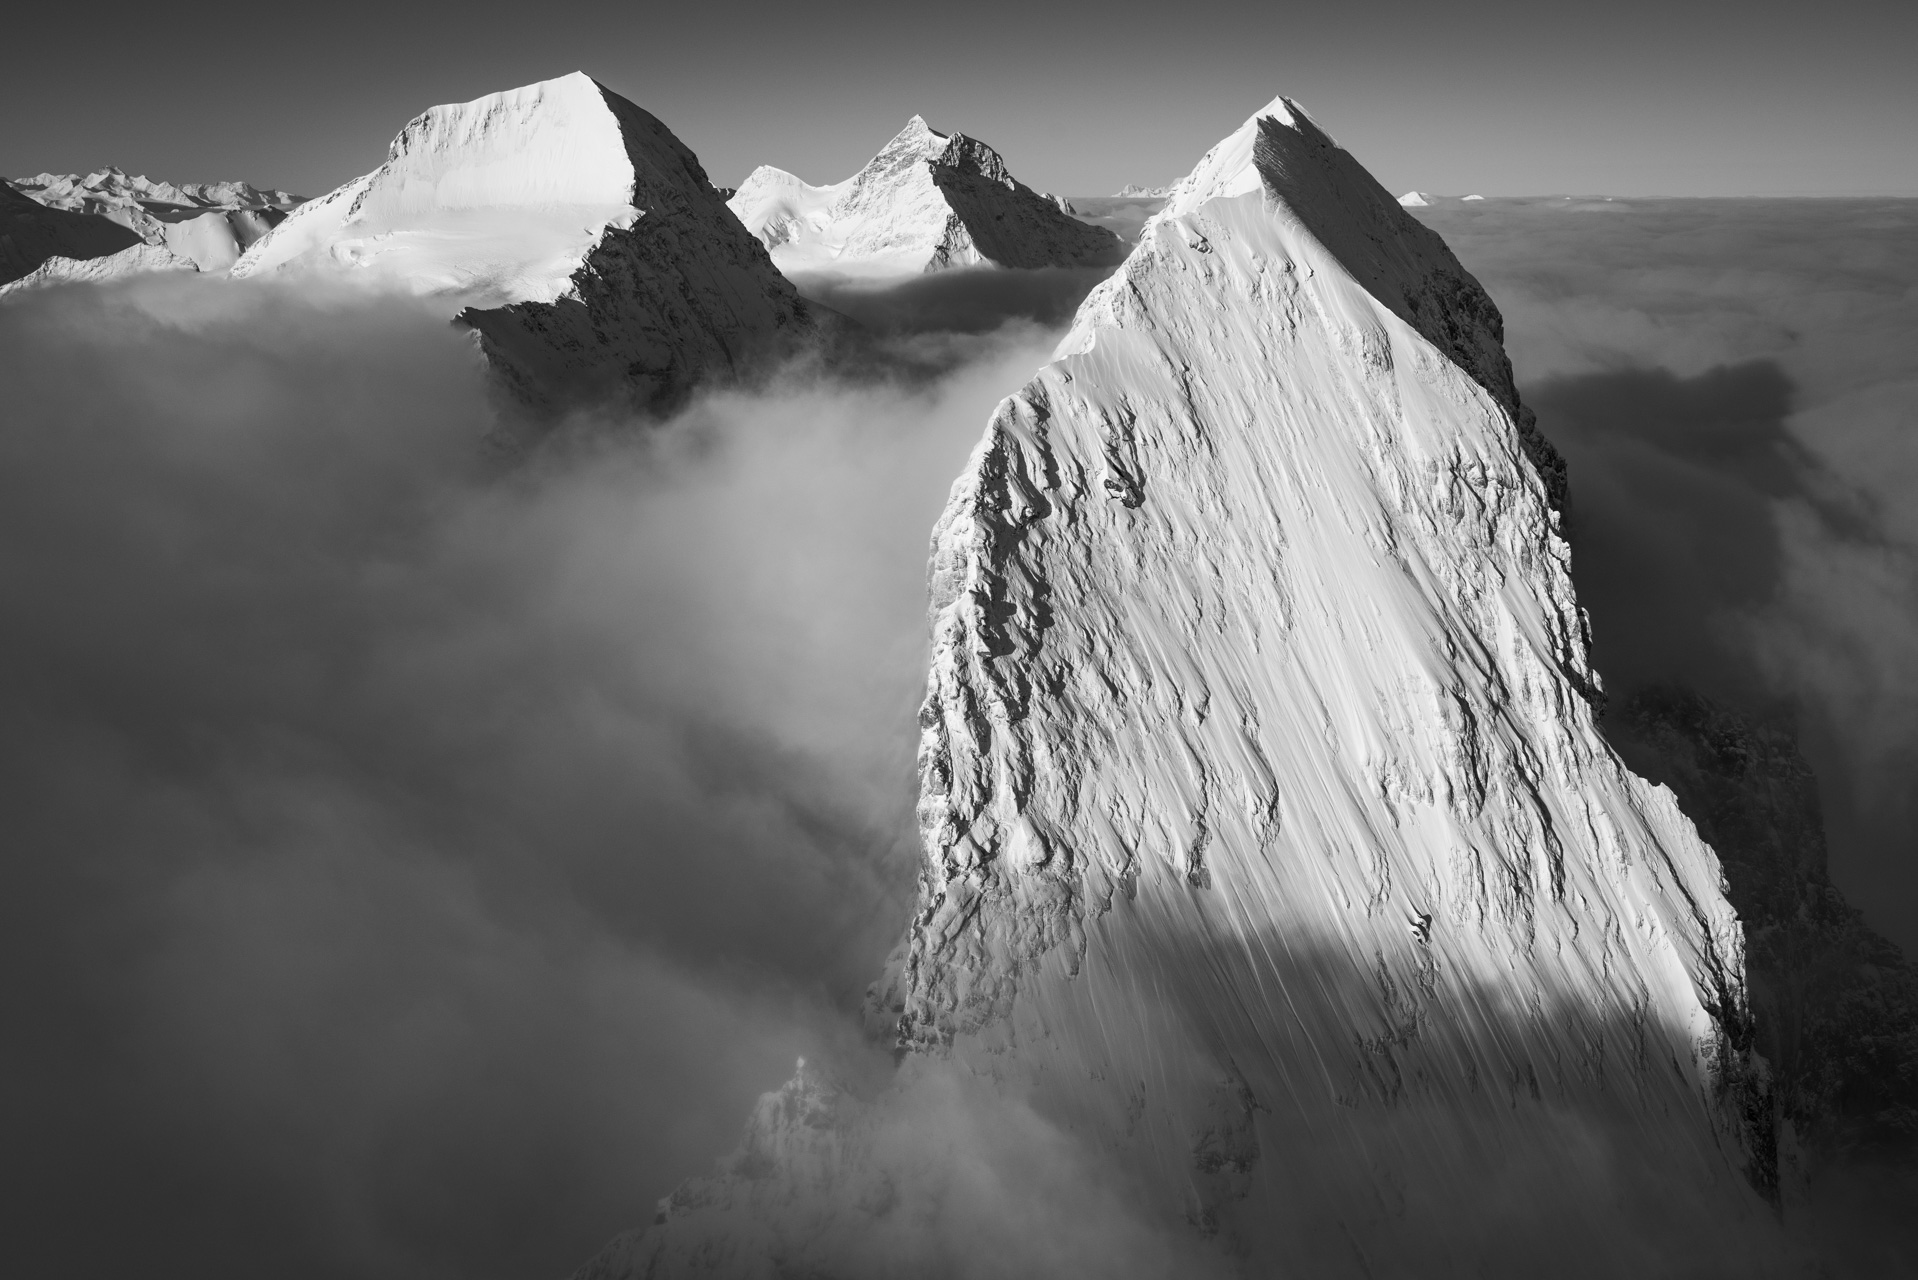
(1501, 97)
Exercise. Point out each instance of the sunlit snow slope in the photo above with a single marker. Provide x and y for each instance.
(1272, 857)
(927, 201)
(139, 260)
(570, 228)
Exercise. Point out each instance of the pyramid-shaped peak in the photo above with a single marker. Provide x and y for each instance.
(1231, 167)
(917, 139)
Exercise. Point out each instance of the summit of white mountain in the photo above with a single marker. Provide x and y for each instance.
(570, 228)
(926, 202)
(1273, 859)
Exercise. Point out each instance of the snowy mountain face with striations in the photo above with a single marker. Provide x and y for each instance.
(1273, 861)
(926, 202)
(570, 229)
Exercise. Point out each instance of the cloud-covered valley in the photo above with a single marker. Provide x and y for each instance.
(425, 848)
(423, 851)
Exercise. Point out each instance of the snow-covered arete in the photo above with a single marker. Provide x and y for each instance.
(926, 202)
(139, 260)
(570, 228)
(1271, 849)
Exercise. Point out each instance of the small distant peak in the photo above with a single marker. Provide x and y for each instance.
(917, 141)
(1474, 196)
(1417, 199)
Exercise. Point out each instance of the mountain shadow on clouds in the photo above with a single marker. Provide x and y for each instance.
(1673, 538)
(968, 300)
(1679, 555)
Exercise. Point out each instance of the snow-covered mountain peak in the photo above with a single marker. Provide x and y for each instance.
(928, 200)
(1231, 168)
(1271, 847)
(571, 229)
(492, 201)
(1327, 209)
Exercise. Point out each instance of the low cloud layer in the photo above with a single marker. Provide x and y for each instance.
(420, 859)
(1735, 387)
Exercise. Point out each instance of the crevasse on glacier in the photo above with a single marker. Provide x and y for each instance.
(1273, 862)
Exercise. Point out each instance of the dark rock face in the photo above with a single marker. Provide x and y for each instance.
(1834, 1006)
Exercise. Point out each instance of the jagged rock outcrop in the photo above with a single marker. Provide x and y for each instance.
(209, 224)
(577, 236)
(1834, 1005)
(1273, 854)
(926, 202)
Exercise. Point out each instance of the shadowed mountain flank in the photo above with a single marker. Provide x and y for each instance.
(1835, 1006)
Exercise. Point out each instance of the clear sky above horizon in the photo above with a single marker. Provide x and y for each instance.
(1631, 98)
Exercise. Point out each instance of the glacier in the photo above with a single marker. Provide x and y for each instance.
(1282, 908)
(928, 201)
(569, 228)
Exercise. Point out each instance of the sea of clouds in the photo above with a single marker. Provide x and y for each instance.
(1734, 384)
(424, 848)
